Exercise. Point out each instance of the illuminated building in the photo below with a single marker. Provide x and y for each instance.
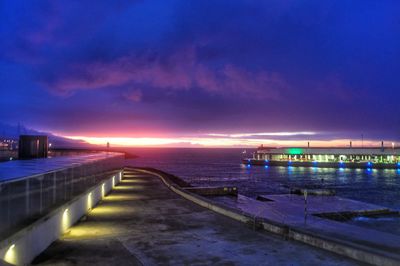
(336, 157)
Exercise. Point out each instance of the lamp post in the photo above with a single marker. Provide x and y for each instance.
(362, 140)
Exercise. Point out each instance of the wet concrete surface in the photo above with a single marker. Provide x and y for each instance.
(142, 222)
(290, 210)
(320, 204)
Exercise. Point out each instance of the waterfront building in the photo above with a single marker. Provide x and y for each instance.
(7, 144)
(31, 146)
(369, 157)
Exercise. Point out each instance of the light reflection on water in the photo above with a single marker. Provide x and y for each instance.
(223, 167)
(386, 223)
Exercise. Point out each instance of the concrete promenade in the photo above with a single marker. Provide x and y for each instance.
(142, 222)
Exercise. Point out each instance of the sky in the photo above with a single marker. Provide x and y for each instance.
(202, 73)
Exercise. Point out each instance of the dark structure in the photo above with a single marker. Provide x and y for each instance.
(33, 147)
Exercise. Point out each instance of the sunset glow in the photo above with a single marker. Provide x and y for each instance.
(214, 142)
(270, 73)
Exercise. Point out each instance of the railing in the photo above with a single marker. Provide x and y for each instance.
(25, 200)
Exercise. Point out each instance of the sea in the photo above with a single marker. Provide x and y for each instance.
(223, 167)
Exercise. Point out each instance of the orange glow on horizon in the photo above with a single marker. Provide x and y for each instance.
(216, 142)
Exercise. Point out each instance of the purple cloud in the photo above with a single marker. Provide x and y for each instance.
(179, 71)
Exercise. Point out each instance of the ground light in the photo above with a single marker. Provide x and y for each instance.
(103, 190)
(113, 181)
(120, 176)
(11, 256)
(89, 201)
(65, 220)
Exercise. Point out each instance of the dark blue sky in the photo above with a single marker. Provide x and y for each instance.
(190, 68)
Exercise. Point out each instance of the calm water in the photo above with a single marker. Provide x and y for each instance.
(213, 167)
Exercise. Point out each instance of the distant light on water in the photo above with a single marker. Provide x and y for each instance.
(362, 218)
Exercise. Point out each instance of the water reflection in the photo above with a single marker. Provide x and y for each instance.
(223, 167)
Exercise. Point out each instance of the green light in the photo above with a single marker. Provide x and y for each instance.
(294, 151)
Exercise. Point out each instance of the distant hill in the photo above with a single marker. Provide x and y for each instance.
(13, 132)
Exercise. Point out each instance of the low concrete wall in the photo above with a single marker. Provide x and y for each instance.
(354, 251)
(351, 250)
(22, 247)
(213, 191)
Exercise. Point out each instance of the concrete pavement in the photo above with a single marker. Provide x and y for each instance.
(142, 222)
